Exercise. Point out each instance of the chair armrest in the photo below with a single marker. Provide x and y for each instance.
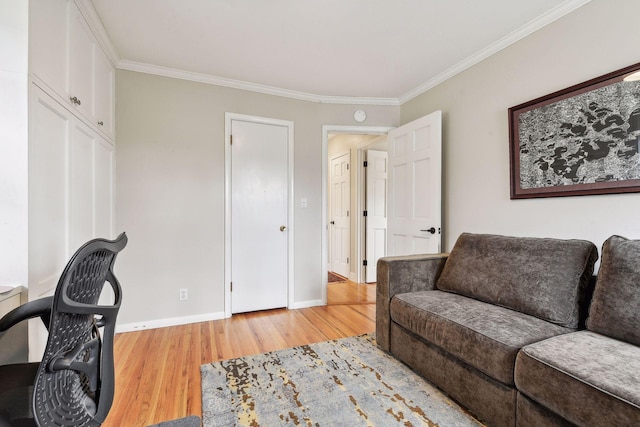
(396, 275)
(36, 308)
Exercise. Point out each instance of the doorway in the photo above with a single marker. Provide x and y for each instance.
(414, 203)
(258, 213)
(354, 140)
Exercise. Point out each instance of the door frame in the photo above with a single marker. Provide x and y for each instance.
(228, 118)
(326, 130)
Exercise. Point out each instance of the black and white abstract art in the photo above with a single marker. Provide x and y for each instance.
(587, 141)
(589, 138)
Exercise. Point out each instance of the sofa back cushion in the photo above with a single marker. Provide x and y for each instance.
(615, 307)
(545, 278)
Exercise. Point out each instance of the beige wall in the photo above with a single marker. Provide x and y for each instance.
(598, 38)
(170, 190)
(170, 162)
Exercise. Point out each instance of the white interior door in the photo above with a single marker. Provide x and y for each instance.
(339, 222)
(259, 215)
(415, 187)
(376, 207)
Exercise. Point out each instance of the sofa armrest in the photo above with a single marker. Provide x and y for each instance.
(396, 275)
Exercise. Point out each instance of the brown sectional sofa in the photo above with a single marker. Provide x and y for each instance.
(498, 324)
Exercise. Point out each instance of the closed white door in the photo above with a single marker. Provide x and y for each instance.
(415, 187)
(376, 207)
(339, 222)
(259, 215)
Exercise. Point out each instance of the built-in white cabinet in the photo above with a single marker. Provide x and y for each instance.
(66, 58)
(71, 140)
(71, 189)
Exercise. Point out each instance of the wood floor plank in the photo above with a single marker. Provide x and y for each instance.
(158, 370)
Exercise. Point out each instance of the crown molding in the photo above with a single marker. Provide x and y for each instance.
(253, 87)
(532, 26)
(87, 9)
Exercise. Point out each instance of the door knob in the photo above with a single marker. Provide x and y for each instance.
(332, 222)
(431, 230)
(283, 227)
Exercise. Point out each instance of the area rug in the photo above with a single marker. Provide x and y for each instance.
(345, 382)
(336, 278)
(190, 421)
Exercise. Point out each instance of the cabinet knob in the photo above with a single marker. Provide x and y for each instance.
(75, 100)
(101, 123)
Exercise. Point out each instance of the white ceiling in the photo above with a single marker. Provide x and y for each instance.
(330, 49)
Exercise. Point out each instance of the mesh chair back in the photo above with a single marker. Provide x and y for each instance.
(75, 381)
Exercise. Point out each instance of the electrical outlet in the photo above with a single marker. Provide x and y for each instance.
(183, 294)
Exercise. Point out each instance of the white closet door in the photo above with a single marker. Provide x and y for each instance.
(259, 216)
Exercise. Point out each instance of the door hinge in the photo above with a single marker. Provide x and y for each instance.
(347, 166)
(347, 213)
(364, 213)
(366, 164)
(364, 262)
(230, 139)
(231, 286)
(347, 260)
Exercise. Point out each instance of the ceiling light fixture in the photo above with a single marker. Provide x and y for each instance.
(360, 116)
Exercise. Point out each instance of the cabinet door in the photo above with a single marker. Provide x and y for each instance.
(48, 43)
(81, 63)
(49, 136)
(104, 90)
(81, 191)
(91, 195)
(104, 178)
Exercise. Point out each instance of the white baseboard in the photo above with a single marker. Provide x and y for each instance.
(185, 320)
(306, 304)
(172, 321)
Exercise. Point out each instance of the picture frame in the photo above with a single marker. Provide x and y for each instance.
(582, 140)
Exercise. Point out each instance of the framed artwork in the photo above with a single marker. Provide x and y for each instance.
(578, 141)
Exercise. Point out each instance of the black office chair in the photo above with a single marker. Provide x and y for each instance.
(73, 385)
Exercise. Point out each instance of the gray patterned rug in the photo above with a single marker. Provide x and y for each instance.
(346, 382)
(190, 421)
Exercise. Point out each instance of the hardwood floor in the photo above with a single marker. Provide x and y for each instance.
(158, 370)
(351, 293)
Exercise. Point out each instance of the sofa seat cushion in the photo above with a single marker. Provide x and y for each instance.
(545, 278)
(484, 336)
(585, 377)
